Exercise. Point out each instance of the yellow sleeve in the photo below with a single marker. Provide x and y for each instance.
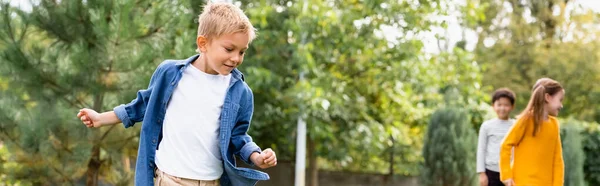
(559, 164)
(513, 138)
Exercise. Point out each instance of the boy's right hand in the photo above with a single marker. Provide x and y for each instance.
(89, 117)
(483, 179)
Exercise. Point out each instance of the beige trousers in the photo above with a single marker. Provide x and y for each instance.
(164, 179)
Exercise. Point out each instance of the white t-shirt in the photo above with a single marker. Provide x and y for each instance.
(190, 145)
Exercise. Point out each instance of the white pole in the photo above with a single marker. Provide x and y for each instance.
(300, 153)
(301, 135)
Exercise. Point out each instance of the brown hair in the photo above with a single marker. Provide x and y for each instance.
(504, 93)
(535, 107)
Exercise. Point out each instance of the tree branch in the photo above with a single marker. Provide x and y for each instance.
(106, 133)
(65, 177)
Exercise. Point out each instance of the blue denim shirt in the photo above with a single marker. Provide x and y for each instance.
(150, 107)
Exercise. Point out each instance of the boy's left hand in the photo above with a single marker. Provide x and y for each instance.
(265, 159)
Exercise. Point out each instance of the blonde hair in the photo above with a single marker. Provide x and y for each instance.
(220, 18)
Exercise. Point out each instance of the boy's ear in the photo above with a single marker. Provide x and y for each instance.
(202, 43)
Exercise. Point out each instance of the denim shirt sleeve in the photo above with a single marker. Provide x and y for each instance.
(244, 146)
(135, 110)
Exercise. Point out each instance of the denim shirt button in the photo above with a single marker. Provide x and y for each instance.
(154, 141)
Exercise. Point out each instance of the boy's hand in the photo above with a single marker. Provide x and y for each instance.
(265, 159)
(509, 182)
(89, 117)
(483, 179)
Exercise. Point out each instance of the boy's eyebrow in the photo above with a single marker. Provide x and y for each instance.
(231, 44)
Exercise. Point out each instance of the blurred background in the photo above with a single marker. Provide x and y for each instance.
(391, 92)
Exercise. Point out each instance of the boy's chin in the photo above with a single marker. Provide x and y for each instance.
(502, 116)
(224, 73)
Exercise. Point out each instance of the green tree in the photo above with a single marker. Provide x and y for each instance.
(449, 149)
(573, 153)
(346, 76)
(366, 97)
(65, 55)
(591, 147)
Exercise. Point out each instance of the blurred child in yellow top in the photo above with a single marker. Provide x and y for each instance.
(538, 159)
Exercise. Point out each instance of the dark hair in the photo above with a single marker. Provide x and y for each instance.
(504, 93)
(535, 107)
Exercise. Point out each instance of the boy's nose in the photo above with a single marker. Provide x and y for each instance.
(236, 59)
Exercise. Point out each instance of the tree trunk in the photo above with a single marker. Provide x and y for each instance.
(93, 167)
(391, 171)
(94, 164)
(313, 172)
(388, 177)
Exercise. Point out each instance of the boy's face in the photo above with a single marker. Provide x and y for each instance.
(224, 53)
(502, 107)
(554, 102)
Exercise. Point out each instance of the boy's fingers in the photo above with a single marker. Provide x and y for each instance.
(272, 162)
(269, 159)
(268, 151)
(271, 152)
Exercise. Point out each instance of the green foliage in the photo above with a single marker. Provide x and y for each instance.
(66, 55)
(7, 162)
(573, 153)
(521, 41)
(449, 149)
(585, 152)
(591, 147)
(375, 91)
